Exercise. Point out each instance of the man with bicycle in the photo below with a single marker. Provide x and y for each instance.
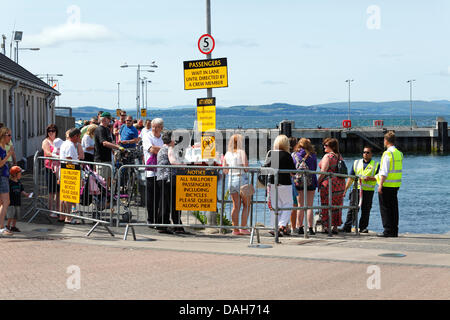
(128, 134)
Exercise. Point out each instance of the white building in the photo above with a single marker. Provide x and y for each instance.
(27, 106)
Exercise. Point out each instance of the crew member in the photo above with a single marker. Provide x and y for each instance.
(389, 181)
(365, 169)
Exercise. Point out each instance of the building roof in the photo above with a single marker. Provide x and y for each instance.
(13, 71)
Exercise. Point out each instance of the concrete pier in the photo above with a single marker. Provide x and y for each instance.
(351, 141)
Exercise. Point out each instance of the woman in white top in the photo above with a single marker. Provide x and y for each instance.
(88, 143)
(236, 157)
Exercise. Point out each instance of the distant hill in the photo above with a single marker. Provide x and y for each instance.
(439, 107)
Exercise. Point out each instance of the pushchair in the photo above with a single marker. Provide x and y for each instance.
(94, 191)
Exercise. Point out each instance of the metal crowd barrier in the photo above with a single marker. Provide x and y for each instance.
(96, 198)
(305, 206)
(142, 209)
(137, 198)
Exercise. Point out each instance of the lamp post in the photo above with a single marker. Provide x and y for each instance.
(138, 66)
(349, 82)
(410, 101)
(118, 95)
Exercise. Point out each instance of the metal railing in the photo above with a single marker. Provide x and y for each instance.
(92, 205)
(258, 206)
(137, 200)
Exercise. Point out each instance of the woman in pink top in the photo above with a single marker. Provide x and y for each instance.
(52, 186)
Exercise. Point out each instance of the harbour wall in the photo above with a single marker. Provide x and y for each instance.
(351, 141)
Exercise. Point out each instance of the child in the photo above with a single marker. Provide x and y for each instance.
(15, 191)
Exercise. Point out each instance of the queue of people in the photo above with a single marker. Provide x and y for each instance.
(99, 137)
(291, 193)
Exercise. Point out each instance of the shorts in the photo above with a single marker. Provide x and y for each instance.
(104, 171)
(4, 184)
(52, 185)
(236, 181)
(308, 188)
(13, 212)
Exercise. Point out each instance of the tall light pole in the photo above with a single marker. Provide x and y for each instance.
(410, 101)
(138, 97)
(146, 92)
(349, 81)
(118, 95)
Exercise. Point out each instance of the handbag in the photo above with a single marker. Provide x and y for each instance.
(341, 166)
(262, 175)
(152, 160)
(247, 190)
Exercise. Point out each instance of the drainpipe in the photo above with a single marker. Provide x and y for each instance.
(13, 109)
(49, 99)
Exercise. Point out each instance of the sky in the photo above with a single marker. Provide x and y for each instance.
(290, 51)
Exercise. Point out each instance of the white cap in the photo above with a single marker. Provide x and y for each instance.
(57, 143)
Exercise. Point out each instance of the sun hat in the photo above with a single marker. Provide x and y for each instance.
(15, 170)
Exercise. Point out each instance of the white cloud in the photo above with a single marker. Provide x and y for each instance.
(67, 33)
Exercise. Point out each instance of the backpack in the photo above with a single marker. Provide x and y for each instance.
(300, 177)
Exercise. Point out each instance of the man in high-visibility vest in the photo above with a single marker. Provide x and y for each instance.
(366, 169)
(389, 181)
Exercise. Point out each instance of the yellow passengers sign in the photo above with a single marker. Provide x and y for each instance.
(206, 114)
(205, 74)
(196, 190)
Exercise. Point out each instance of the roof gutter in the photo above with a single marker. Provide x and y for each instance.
(29, 84)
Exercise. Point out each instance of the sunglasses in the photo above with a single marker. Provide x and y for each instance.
(8, 135)
(51, 131)
(325, 145)
(129, 120)
(366, 152)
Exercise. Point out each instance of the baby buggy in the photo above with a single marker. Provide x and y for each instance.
(94, 191)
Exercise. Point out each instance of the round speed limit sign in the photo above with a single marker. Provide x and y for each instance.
(206, 44)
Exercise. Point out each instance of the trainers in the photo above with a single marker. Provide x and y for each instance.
(347, 230)
(301, 231)
(14, 229)
(311, 231)
(363, 231)
(5, 232)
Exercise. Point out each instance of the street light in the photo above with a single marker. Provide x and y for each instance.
(410, 101)
(138, 66)
(349, 81)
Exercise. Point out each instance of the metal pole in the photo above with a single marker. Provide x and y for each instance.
(349, 100)
(118, 95)
(143, 94)
(209, 93)
(17, 52)
(410, 103)
(137, 91)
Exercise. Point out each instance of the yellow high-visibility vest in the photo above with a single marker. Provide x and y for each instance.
(394, 178)
(369, 171)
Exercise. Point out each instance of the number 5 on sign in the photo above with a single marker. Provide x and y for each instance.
(206, 44)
